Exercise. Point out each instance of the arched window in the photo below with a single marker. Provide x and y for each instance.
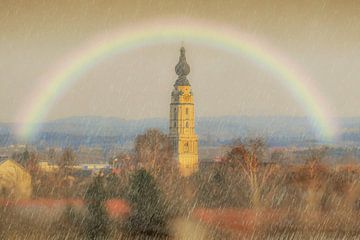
(174, 124)
(187, 111)
(187, 124)
(186, 147)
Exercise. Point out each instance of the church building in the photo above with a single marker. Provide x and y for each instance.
(182, 121)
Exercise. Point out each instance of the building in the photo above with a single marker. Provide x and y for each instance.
(94, 167)
(182, 123)
(48, 167)
(15, 181)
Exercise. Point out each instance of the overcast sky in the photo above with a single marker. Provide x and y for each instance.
(323, 37)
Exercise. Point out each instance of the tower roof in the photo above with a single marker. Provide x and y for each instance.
(182, 69)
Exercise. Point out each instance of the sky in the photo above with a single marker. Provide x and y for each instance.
(321, 37)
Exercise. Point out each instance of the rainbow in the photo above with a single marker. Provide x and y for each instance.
(59, 79)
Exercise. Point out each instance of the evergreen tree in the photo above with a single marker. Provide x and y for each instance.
(97, 220)
(148, 213)
(113, 186)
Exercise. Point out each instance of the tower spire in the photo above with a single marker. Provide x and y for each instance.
(182, 69)
(182, 120)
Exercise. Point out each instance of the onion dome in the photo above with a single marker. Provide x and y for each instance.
(182, 69)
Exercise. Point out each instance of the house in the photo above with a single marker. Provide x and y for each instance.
(15, 181)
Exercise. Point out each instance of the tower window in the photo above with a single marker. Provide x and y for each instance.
(187, 111)
(186, 147)
(174, 124)
(187, 124)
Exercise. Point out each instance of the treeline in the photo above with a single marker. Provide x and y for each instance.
(244, 177)
(148, 179)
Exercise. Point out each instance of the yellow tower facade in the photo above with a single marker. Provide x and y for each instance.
(182, 120)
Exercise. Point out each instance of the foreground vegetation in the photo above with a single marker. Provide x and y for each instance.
(245, 195)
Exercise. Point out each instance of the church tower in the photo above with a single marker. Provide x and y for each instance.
(182, 122)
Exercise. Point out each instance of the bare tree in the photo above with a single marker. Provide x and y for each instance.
(153, 150)
(51, 155)
(122, 160)
(312, 177)
(246, 157)
(66, 161)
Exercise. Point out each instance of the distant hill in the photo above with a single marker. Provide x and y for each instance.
(212, 131)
